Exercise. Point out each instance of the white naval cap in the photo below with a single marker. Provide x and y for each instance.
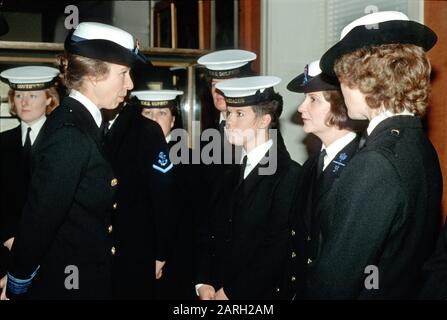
(157, 98)
(226, 64)
(104, 42)
(248, 91)
(30, 77)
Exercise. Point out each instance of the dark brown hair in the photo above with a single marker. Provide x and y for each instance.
(338, 113)
(74, 68)
(273, 107)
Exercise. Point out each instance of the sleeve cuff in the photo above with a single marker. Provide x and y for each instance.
(19, 286)
(198, 287)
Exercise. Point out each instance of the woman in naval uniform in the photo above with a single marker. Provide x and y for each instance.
(177, 280)
(244, 245)
(63, 248)
(32, 97)
(383, 213)
(324, 114)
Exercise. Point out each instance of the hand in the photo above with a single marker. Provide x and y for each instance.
(159, 268)
(8, 243)
(3, 283)
(220, 295)
(206, 292)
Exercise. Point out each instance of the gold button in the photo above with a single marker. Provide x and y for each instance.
(115, 205)
(395, 132)
(277, 289)
(309, 261)
(292, 233)
(293, 254)
(110, 229)
(113, 250)
(293, 279)
(114, 182)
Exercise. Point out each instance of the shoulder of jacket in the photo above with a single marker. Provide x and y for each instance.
(10, 132)
(63, 115)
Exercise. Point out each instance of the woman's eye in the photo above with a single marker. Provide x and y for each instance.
(163, 113)
(240, 114)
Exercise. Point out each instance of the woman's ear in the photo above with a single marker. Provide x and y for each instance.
(172, 121)
(93, 80)
(266, 120)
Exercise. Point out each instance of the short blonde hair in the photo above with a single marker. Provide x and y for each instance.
(50, 93)
(396, 76)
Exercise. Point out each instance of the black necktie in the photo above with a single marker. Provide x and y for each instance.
(222, 127)
(243, 165)
(362, 141)
(104, 128)
(27, 146)
(321, 162)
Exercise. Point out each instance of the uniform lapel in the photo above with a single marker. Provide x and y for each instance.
(309, 168)
(333, 170)
(39, 136)
(322, 189)
(115, 136)
(85, 120)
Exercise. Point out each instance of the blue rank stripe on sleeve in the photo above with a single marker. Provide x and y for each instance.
(162, 164)
(20, 286)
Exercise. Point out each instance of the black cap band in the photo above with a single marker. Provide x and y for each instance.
(255, 99)
(224, 74)
(31, 86)
(157, 104)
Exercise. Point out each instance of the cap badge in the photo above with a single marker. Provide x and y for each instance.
(306, 79)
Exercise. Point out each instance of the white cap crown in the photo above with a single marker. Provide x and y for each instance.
(96, 30)
(374, 18)
(226, 59)
(156, 95)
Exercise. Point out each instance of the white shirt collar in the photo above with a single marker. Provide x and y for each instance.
(111, 122)
(255, 156)
(89, 105)
(221, 117)
(168, 138)
(336, 146)
(35, 129)
(374, 122)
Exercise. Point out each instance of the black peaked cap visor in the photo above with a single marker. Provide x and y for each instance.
(320, 82)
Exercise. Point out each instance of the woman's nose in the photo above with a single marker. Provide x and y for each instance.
(24, 101)
(229, 121)
(129, 82)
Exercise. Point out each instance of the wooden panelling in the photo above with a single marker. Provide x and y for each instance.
(435, 17)
(250, 28)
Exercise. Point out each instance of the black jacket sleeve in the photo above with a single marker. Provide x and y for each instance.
(159, 170)
(58, 165)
